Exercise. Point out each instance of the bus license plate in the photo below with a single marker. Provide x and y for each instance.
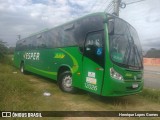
(135, 85)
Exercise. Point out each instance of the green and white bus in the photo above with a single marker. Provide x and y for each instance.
(99, 53)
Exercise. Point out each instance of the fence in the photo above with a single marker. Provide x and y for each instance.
(151, 61)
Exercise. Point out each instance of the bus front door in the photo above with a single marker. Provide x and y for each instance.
(93, 62)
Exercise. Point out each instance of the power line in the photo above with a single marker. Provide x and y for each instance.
(135, 2)
(104, 4)
(19, 37)
(109, 6)
(117, 4)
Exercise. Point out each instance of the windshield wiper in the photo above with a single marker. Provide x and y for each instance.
(139, 56)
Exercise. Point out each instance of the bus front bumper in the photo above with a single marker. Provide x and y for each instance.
(122, 88)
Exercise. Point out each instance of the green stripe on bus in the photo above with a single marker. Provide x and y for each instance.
(75, 63)
(50, 73)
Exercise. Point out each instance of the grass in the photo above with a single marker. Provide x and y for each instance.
(25, 93)
(151, 94)
(7, 59)
(15, 91)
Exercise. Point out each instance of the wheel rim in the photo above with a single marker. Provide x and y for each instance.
(67, 82)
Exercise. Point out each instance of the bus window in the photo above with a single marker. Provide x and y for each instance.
(94, 47)
(41, 40)
(111, 26)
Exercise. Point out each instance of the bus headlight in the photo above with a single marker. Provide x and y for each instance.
(115, 74)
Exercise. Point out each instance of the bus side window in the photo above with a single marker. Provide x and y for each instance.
(41, 41)
(94, 43)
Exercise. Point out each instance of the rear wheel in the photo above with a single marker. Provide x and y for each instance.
(65, 82)
(22, 68)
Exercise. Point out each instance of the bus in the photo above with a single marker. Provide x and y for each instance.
(99, 53)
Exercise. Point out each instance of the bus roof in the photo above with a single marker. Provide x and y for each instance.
(47, 29)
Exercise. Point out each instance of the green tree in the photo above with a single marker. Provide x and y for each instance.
(153, 53)
(11, 50)
(3, 49)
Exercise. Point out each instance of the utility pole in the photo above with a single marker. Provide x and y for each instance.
(119, 4)
(19, 37)
(116, 7)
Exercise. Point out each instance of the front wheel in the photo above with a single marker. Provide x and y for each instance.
(65, 82)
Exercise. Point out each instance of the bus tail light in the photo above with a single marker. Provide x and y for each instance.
(115, 74)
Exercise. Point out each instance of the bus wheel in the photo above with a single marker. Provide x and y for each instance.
(22, 68)
(65, 82)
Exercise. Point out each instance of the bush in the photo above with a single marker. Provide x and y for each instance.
(7, 59)
(3, 49)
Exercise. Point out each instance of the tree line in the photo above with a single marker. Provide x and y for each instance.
(153, 53)
(4, 50)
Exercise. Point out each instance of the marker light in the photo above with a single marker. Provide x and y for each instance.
(115, 75)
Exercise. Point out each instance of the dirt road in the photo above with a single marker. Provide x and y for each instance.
(152, 77)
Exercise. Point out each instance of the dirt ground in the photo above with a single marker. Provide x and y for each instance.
(152, 77)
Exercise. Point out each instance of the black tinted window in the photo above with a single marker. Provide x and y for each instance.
(86, 25)
(67, 34)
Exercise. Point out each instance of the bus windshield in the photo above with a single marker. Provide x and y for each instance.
(125, 48)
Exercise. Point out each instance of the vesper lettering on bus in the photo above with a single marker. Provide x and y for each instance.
(34, 56)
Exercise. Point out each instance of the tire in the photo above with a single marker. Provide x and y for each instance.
(22, 68)
(65, 82)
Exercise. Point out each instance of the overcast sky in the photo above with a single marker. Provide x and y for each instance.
(24, 17)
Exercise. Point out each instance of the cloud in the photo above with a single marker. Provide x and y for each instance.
(144, 16)
(24, 17)
(151, 43)
(153, 15)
